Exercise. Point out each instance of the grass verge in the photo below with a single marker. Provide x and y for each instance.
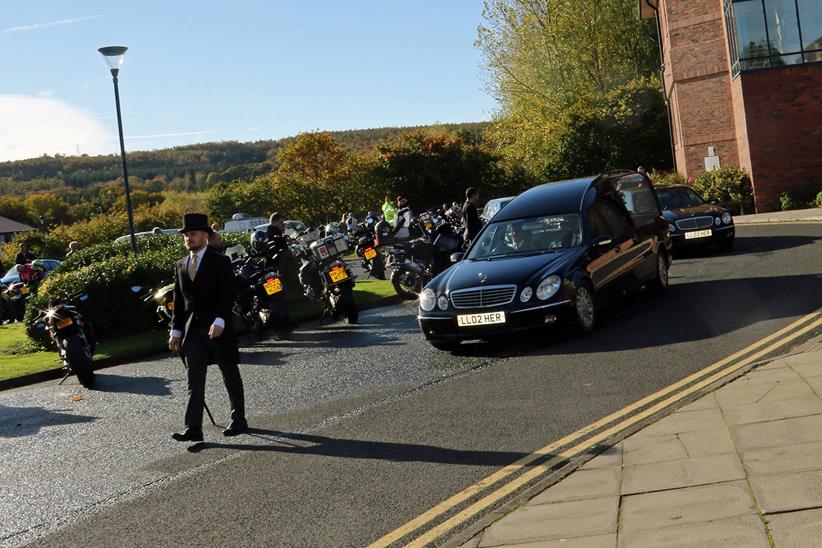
(19, 356)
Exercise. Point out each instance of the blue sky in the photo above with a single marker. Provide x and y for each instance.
(244, 70)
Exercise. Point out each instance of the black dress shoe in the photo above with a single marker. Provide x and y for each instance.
(236, 428)
(190, 434)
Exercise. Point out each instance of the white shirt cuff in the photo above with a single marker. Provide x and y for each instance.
(219, 322)
(176, 334)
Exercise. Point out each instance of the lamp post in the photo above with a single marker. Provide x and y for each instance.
(114, 56)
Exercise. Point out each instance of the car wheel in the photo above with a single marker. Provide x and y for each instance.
(445, 346)
(585, 309)
(660, 279)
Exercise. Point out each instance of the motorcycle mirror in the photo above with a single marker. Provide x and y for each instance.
(136, 288)
(456, 257)
(83, 297)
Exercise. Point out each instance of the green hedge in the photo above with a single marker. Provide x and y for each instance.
(729, 186)
(106, 272)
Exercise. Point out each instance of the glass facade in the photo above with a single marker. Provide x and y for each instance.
(772, 33)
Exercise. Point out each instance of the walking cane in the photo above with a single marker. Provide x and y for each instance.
(205, 405)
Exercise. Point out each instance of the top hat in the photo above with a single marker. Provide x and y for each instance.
(195, 221)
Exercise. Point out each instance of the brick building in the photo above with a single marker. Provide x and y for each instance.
(744, 83)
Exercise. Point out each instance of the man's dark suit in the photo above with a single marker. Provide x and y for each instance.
(196, 305)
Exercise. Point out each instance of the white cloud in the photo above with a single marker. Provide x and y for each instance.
(33, 126)
(50, 24)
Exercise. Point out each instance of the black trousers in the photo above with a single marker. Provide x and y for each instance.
(198, 352)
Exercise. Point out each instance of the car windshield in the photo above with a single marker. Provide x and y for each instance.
(527, 236)
(672, 198)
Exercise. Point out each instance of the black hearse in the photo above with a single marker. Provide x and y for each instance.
(555, 252)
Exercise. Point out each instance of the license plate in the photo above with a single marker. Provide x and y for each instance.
(338, 275)
(64, 323)
(698, 234)
(273, 286)
(370, 253)
(488, 318)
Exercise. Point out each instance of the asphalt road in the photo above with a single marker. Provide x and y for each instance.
(357, 430)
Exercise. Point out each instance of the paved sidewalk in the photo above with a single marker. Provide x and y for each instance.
(798, 215)
(741, 466)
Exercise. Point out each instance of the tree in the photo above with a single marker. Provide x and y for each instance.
(47, 209)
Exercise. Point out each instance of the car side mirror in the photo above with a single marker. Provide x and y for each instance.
(601, 241)
(456, 257)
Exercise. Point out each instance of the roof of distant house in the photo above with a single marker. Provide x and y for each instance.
(8, 226)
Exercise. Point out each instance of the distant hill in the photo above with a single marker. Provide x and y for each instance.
(201, 164)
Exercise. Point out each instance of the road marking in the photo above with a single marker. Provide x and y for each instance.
(510, 469)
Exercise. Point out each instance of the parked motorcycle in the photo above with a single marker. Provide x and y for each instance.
(262, 298)
(326, 278)
(72, 335)
(163, 299)
(366, 248)
(15, 298)
(418, 261)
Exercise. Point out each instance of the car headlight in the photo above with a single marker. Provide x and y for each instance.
(525, 296)
(671, 227)
(548, 287)
(717, 221)
(442, 302)
(726, 218)
(428, 300)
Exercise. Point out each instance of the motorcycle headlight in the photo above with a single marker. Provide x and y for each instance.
(428, 300)
(671, 227)
(717, 221)
(548, 287)
(726, 218)
(525, 296)
(442, 302)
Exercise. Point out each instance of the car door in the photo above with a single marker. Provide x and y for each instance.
(605, 253)
(640, 200)
(628, 253)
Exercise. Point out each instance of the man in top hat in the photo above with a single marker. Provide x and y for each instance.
(204, 292)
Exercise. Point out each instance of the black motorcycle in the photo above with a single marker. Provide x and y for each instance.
(326, 278)
(72, 335)
(262, 298)
(163, 299)
(364, 240)
(417, 261)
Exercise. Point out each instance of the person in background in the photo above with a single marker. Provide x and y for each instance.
(24, 255)
(215, 240)
(389, 210)
(72, 248)
(403, 215)
(470, 215)
(157, 231)
(641, 169)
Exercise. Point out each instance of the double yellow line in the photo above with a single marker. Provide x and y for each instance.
(674, 393)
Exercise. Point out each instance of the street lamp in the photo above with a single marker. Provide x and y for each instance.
(114, 56)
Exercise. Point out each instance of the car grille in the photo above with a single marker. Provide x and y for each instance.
(483, 297)
(694, 223)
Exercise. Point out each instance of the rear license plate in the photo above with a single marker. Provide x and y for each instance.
(338, 275)
(698, 234)
(64, 323)
(273, 286)
(370, 253)
(488, 318)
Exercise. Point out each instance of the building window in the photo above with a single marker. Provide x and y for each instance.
(773, 33)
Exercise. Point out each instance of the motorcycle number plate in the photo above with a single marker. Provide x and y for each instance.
(370, 253)
(64, 323)
(272, 286)
(338, 275)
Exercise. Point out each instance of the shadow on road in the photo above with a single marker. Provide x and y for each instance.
(146, 386)
(687, 312)
(307, 444)
(745, 245)
(18, 422)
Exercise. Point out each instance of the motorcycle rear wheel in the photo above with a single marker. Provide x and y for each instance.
(378, 267)
(346, 305)
(405, 283)
(79, 361)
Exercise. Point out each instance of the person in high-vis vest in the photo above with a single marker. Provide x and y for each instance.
(389, 210)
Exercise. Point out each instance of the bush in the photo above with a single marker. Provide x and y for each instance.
(787, 201)
(729, 186)
(668, 178)
(819, 199)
